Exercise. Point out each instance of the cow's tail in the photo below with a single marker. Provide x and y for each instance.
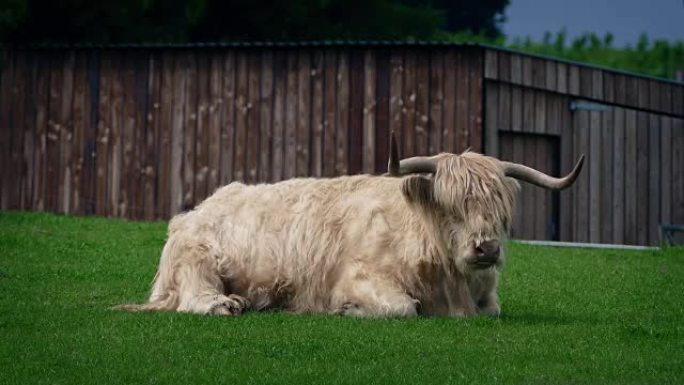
(164, 294)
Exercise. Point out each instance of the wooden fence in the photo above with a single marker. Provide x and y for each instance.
(143, 132)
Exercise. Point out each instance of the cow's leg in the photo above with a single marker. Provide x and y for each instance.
(376, 298)
(201, 289)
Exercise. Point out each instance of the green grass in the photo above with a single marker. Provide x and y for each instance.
(570, 316)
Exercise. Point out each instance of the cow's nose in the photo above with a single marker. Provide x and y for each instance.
(488, 251)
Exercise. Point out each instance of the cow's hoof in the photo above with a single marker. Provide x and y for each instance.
(233, 304)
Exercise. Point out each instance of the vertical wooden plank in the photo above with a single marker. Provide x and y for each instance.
(529, 193)
(409, 108)
(303, 113)
(141, 113)
(632, 91)
(516, 69)
(619, 181)
(504, 62)
(436, 101)
(582, 204)
(475, 101)
(527, 71)
(607, 133)
(654, 176)
(291, 116)
(538, 73)
(190, 129)
(449, 133)
(329, 127)
(462, 88)
(492, 64)
(493, 144)
(586, 87)
(242, 114)
(524, 210)
(166, 140)
(115, 154)
(567, 197)
(253, 114)
(177, 132)
(152, 149)
(528, 107)
(342, 113)
(80, 113)
(654, 97)
(597, 86)
(266, 117)
(517, 108)
(505, 99)
(541, 196)
(551, 73)
(6, 128)
(215, 108)
(643, 179)
(29, 124)
(201, 168)
(355, 131)
(561, 77)
(620, 89)
(40, 156)
(54, 126)
(382, 117)
(666, 172)
(540, 112)
(19, 90)
(422, 102)
(90, 137)
(317, 115)
(631, 177)
(369, 97)
(228, 118)
(129, 130)
(595, 176)
(279, 104)
(574, 79)
(608, 87)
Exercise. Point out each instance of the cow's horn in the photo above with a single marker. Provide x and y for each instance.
(528, 174)
(417, 165)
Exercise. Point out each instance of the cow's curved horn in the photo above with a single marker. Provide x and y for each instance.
(417, 165)
(536, 177)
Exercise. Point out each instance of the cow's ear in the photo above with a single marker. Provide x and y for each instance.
(418, 190)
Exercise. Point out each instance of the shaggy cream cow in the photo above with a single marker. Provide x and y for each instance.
(425, 239)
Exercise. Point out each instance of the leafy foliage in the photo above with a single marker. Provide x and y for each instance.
(659, 58)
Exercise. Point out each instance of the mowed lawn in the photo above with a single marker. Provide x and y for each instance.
(570, 316)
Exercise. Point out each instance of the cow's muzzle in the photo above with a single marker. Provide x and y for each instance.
(487, 254)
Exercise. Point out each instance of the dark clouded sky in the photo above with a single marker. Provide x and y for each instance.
(626, 19)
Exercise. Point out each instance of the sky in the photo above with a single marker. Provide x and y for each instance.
(626, 19)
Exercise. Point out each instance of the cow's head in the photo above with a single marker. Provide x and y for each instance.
(471, 199)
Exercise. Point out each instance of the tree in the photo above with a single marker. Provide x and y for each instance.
(482, 17)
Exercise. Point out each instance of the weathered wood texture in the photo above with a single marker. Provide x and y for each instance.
(146, 133)
(602, 85)
(632, 181)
